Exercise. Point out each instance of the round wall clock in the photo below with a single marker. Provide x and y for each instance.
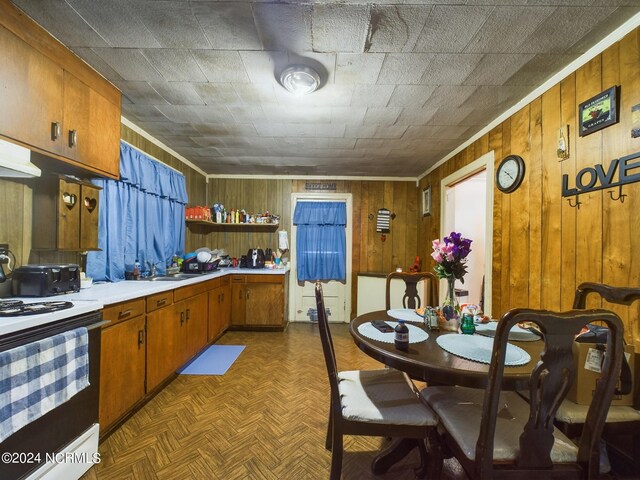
(510, 173)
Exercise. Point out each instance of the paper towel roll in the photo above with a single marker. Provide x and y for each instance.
(283, 240)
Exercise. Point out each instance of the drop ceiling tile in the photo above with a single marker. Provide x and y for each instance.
(449, 95)
(180, 140)
(395, 28)
(371, 95)
(358, 68)
(252, 93)
(330, 95)
(564, 27)
(344, 143)
(217, 93)
(404, 68)
(98, 64)
(187, 113)
(117, 21)
(221, 66)
(438, 132)
(450, 116)
(285, 27)
(241, 129)
(175, 65)
(247, 113)
(495, 69)
(411, 95)
(375, 131)
(261, 142)
(416, 116)
(141, 93)
(143, 113)
(340, 28)
(62, 21)
(348, 115)
(228, 25)
(172, 24)
(496, 96)
(537, 70)
(208, 141)
(281, 114)
(300, 130)
(210, 152)
(450, 28)
(129, 63)
(382, 115)
(507, 27)
(177, 93)
(264, 67)
(605, 25)
(450, 68)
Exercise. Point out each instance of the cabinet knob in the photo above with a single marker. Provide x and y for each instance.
(55, 130)
(73, 138)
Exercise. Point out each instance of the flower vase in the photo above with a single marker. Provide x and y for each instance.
(450, 308)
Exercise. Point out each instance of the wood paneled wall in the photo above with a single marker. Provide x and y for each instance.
(543, 248)
(370, 253)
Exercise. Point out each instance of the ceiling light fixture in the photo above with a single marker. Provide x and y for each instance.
(300, 79)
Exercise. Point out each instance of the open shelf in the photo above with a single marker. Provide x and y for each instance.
(235, 227)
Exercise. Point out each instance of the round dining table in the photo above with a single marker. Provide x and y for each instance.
(429, 362)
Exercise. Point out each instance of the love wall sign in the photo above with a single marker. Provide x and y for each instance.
(621, 171)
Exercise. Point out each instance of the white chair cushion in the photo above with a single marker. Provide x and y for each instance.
(460, 412)
(570, 412)
(382, 396)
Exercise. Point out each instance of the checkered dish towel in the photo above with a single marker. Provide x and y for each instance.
(37, 377)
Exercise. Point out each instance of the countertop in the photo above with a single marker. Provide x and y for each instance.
(101, 294)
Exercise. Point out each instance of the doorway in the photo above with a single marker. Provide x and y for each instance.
(337, 295)
(467, 207)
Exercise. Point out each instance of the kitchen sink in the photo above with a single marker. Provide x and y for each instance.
(172, 278)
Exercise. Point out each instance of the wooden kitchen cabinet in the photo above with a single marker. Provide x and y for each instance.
(258, 301)
(122, 361)
(164, 342)
(53, 102)
(196, 315)
(73, 206)
(219, 309)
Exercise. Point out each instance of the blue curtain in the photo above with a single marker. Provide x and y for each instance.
(321, 240)
(141, 217)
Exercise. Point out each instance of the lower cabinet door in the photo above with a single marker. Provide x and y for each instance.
(122, 365)
(238, 303)
(164, 343)
(196, 313)
(264, 304)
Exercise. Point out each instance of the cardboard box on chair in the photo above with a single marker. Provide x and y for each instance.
(587, 359)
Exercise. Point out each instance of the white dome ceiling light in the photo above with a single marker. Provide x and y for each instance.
(300, 79)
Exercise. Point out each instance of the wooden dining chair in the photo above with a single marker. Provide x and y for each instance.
(498, 434)
(621, 420)
(380, 403)
(411, 280)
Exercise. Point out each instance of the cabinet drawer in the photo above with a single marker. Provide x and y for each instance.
(265, 278)
(224, 281)
(119, 312)
(190, 291)
(212, 284)
(159, 300)
(238, 278)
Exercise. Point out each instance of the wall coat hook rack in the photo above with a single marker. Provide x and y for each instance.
(574, 205)
(620, 196)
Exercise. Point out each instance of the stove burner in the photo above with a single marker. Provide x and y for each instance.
(16, 308)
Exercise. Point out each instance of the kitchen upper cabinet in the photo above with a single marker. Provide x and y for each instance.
(258, 301)
(65, 214)
(122, 362)
(31, 95)
(53, 102)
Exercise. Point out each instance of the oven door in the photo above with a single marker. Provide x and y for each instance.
(56, 429)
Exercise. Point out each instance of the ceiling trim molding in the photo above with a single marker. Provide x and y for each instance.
(597, 49)
(313, 177)
(125, 121)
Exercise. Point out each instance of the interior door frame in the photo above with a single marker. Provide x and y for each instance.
(293, 281)
(485, 162)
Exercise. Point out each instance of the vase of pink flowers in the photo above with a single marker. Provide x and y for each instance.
(451, 255)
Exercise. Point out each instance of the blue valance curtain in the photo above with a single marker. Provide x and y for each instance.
(321, 240)
(141, 217)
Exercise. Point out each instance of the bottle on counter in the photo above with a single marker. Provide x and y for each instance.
(401, 338)
(136, 270)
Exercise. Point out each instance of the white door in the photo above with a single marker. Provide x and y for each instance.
(337, 295)
(467, 206)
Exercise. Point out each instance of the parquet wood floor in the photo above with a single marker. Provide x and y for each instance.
(265, 419)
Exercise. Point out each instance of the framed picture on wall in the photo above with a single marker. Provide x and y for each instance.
(599, 112)
(426, 201)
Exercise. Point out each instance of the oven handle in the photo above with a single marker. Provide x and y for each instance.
(97, 324)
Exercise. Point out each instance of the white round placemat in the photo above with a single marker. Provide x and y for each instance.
(416, 334)
(516, 334)
(405, 314)
(478, 348)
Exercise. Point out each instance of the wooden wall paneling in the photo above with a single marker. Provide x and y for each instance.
(551, 215)
(412, 248)
(505, 258)
(620, 66)
(376, 202)
(15, 218)
(365, 232)
(495, 144)
(356, 241)
(589, 215)
(399, 228)
(535, 203)
(568, 259)
(519, 244)
(387, 247)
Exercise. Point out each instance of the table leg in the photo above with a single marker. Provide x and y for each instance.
(399, 448)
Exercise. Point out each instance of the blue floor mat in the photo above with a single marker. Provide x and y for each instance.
(215, 360)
